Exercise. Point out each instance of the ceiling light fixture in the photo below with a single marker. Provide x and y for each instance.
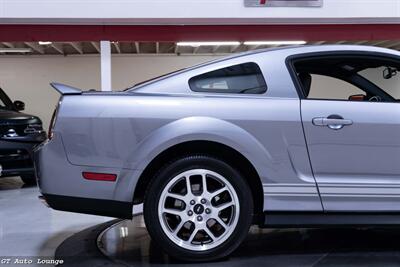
(15, 50)
(45, 43)
(196, 44)
(275, 42)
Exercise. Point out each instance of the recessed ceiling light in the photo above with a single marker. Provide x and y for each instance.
(275, 42)
(45, 43)
(15, 50)
(195, 44)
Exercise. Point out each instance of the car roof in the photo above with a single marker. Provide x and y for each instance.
(289, 51)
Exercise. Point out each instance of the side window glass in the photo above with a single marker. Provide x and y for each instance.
(349, 77)
(325, 87)
(2, 105)
(385, 77)
(244, 78)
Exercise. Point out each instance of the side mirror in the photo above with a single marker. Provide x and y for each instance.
(19, 105)
(359, 97)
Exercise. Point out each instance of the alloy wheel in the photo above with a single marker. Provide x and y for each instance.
(198, 209)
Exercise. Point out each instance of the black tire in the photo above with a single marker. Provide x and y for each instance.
(28, 179)
(167, 173)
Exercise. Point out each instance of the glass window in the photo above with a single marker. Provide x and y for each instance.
(2, 104)
(353, 78)
(325, 87)
(239, 79)
(5, 101)
(386, 78)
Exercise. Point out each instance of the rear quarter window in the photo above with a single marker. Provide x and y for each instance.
(245, 78)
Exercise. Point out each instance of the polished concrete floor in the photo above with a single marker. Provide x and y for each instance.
(28, 228)
(128, 243)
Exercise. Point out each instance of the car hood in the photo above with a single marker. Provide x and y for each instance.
(14, 117)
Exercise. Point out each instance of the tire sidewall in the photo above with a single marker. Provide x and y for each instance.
(170, 171)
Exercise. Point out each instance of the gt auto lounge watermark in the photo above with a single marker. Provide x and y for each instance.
(283, 3)
(36, 261)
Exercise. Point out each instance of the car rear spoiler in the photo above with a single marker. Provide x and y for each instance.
(66, 89)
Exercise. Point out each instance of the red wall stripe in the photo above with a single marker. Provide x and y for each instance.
(172, 33)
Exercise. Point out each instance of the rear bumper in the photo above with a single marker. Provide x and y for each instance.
(64, 187)
(101, 207)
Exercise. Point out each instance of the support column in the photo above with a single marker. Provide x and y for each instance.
(105, 58)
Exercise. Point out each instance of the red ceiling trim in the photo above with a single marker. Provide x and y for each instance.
(172, 33)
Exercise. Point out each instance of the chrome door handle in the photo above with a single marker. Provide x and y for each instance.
(334, 122)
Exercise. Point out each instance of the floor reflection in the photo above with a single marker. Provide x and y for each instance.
(129, 243)
(29, 228)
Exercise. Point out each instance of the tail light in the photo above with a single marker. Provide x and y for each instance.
(110, 177)
(53, 122)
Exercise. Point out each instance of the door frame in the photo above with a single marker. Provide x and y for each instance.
(291, 60)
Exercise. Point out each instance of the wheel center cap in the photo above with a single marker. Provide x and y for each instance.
(198, 209)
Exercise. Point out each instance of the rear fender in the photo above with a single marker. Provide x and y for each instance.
(199, 129)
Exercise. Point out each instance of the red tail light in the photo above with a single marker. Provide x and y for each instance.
(99, 176)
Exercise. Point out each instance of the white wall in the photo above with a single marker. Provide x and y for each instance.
(27, 78)
(128, 70)
(193, 11)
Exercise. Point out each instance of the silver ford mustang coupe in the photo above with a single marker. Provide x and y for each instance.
(290, 137)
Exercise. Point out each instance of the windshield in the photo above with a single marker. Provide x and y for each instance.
(5, 101)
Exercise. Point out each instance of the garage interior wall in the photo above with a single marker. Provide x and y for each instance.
(27, 78)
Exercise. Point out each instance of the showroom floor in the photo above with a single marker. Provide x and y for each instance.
(81, 239)
(29, 228)
(127, 243)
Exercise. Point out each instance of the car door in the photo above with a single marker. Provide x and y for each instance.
(354, 143)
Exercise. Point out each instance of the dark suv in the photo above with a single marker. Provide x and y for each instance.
(19, 133)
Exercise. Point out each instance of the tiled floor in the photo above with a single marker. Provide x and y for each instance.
(28, 228)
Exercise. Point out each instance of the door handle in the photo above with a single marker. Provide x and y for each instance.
(334, 122)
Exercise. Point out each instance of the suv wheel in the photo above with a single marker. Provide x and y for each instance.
(28, 179)
(198, 208)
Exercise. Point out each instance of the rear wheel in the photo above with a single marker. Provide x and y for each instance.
(198, 208)
(28, 179)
